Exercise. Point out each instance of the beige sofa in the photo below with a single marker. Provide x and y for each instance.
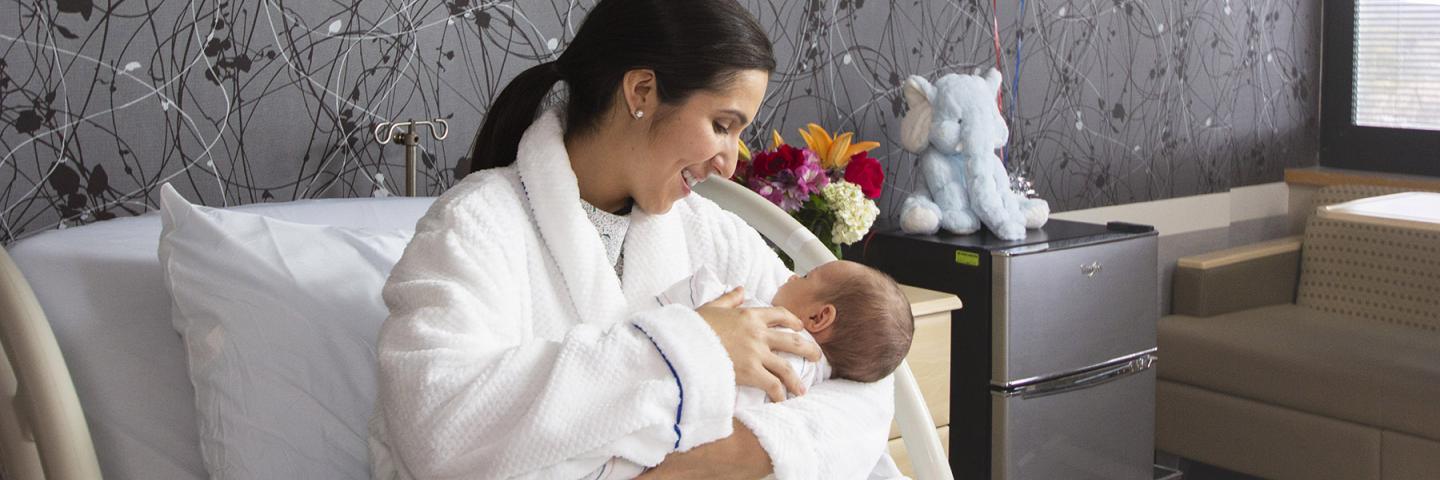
(1310, 357)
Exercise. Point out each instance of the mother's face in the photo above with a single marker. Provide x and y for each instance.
(693, 140)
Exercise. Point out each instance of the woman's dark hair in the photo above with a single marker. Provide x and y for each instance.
(691, 45)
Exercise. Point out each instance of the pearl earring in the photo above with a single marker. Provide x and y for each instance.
(639, 114)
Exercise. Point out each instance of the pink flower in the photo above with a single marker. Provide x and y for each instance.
(768, 190)
(786, 176)
(787, 197)
(810, 177)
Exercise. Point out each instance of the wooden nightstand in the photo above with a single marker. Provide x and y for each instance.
(930, 361)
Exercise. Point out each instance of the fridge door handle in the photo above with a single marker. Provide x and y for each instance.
(1084, 380)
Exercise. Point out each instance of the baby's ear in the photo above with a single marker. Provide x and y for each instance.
(821, 320)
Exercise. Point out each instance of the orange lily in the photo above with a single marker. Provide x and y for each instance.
(834, 152)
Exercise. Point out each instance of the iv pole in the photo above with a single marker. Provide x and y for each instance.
(410, 140)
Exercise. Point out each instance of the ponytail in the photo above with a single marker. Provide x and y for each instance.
(513, 112)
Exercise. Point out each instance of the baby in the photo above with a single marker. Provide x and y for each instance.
(857, 315)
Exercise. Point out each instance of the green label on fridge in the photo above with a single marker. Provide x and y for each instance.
(967, 258)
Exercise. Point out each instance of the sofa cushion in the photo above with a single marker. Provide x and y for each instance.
(1333, 194)
(1319, 362)
(1372, 273)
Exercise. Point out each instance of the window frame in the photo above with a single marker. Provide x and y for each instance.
(1344, 144)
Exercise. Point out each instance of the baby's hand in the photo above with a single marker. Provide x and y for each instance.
(753, 346)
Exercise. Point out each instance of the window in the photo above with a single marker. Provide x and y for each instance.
(1381, 87)
(1397, 64)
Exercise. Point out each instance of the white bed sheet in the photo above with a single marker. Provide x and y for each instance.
(100, 287)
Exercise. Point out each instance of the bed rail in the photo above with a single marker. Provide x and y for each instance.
(43, 434)
(917, 427)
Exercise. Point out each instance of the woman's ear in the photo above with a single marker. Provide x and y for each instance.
(639, 89)
(821, 320)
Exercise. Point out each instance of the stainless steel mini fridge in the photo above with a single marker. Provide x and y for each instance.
(1052, 353)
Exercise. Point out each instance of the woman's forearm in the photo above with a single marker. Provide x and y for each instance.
(738, 456)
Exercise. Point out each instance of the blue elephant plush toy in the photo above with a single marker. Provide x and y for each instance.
(955, 126)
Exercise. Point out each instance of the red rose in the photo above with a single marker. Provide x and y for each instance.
(771, 162)
(866, 172)
(794, 157)
(765, 164)
(742, 171)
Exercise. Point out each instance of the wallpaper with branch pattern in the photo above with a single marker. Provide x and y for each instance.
(242, 101)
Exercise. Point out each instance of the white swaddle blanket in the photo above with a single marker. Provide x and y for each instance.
(696, 290)
(692, 292)
(704, 286)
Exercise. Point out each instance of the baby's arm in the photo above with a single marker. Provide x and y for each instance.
(810, 373)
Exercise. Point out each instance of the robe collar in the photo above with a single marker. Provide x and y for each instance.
(656, 254)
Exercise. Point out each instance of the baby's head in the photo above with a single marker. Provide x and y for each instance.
(858, 315)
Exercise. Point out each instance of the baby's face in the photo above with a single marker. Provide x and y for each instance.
(802, 293)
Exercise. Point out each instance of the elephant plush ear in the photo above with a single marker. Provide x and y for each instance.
(915, 127)
(993, 79)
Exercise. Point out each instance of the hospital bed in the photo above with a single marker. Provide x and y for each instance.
(93, 375)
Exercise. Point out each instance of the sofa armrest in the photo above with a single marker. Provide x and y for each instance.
(1238, 278)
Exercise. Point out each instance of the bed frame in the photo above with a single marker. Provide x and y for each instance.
(43, 434)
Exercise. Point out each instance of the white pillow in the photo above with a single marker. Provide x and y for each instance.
(279, 321)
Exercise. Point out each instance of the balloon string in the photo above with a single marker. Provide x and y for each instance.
(1015, 73)
(995, 29)
(999, 66)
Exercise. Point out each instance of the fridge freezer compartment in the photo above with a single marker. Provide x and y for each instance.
(1101, 428)
(1061, 310)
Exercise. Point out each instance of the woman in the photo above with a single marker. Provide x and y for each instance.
(522, 339)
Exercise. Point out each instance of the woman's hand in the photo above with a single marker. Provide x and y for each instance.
(738, 456)
(753, 346)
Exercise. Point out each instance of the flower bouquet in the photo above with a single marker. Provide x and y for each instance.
(829, 186)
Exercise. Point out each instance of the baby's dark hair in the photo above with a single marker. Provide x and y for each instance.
(873, 326)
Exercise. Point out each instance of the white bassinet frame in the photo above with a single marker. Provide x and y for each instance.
(43, 434)
(917, 427)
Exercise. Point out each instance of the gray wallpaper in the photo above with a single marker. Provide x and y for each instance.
(266, 100)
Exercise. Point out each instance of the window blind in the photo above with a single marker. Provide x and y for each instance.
(1397, 64)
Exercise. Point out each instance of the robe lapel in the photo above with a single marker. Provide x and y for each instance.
(656, 256)
(554, 198)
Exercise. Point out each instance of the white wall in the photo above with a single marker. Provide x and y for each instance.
(1192, 214)
(1205, 223)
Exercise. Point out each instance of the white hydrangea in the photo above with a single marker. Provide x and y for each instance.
(853, 212)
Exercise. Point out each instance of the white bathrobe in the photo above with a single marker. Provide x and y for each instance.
(513, 351)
